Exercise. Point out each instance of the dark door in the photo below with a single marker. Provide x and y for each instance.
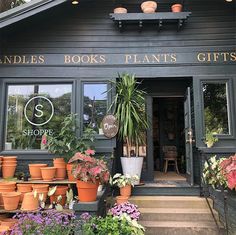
(148, 167)
(188, 137)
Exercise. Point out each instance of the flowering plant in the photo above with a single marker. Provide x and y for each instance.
(228, 167)
(212, 173)
(127, 208)
(123, 180)
(87, 168)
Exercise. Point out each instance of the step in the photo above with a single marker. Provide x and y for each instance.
(176, 214)
(179, 228)
(169, 202)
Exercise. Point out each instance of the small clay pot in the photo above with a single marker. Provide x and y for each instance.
(7, 185)
(69, 168)
(41, 189)
(126, 190)
(120, 10)
(30, 203)
(9, 158)
(176, 8)
(24, 188)
(10, 222)
(149, 6)
(121, 199)
(60, 173)
(58, 160)
(35, 171)
(8, 170)
(148, 10)
(11, 200)
(48, 173)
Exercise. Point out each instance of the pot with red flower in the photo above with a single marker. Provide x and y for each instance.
(89, 172)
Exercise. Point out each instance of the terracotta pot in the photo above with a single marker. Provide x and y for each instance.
(9, 163)
(126, 191)
(60, 173)
(53, 198)
(8, 171)
(48, 173)
(35, 171)
(69, 167)
(10, 222)
(41, 189)
(60, 164)
(58, 160)
(11, 200)
(121, 199)
(30, 203)
(24, 188)
(149, 6)
(10, 158)
(4, 228)
(7, 185)
(120, 10)
(61, 190)
(176, 8)
(87, 191)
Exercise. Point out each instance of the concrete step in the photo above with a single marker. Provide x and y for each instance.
(180, 228)
(176, 214)
(169, 202)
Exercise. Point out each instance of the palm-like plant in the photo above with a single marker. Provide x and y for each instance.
(129, 109)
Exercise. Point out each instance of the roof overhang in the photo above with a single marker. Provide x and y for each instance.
(26, 10)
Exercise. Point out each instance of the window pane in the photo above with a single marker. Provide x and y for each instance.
(95, 105)
(34, 110)
(215, 108)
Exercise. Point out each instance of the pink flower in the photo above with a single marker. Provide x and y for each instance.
(89, 152)
(44, 140)
(96, 170)
(231, 177)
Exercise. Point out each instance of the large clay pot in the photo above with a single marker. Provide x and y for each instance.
(11, 200)
(126, 190)
(48, 173)
(61, 190)
(30, 203)
(69, 168)
(8, 170)
(176, 8)
(35, 171)
(87, 191)
(10, 222)
(121, 199)
(149, 6)
(120, 10)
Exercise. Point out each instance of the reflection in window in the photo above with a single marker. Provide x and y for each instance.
(34, 111)
(215, 108)
(95, 105)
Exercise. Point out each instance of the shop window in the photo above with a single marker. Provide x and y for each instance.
(34, 111)
(216, 108)
(95, 105)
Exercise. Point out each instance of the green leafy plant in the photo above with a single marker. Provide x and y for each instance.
(123, 180)
(213, 174)
(211, 139)
(66, 143)
(17, 3)
(129, 109)
(109, 225)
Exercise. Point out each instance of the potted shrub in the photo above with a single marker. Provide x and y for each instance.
(66, 143)
(129, 109)
(89, 172)
(124, 182)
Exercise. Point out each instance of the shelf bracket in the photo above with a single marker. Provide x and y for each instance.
(180, 24)
(160, 24)
(140, 25)
(120, 26)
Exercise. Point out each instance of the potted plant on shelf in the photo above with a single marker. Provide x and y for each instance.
(89, 172)
(129, 109)
(66, 143)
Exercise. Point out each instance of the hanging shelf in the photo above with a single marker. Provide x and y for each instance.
(158, 19)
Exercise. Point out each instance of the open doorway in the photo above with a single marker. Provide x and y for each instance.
(168, 139)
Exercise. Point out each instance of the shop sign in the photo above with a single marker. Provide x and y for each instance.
(110, 126)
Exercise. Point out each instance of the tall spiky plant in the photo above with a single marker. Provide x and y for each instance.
(129, 109)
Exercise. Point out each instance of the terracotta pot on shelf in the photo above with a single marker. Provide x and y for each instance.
(48, 173)
(121, 199)
(176, 8)
(120, 10)
(23, 189)
(61, 190)
(60, 165)
(4, 228)
(126, 190)
(9, 167)
(69, 167)
(10, 222)
(11, 200)
(149, 6)
(6, 187)
(87, 191)
(35, 172)
(10, 158)
(30, 203)
(41, 189)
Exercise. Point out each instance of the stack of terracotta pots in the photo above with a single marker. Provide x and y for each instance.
(6, 187)
(35, 171)
(30, 203)
(125, 193)
(60, 191)
(9, 166)
(48, 173)
(23, 189)
(60, 166)
(149, 6)
(41, 189)
(11, 200)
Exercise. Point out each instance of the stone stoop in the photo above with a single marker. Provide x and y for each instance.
(176, 215)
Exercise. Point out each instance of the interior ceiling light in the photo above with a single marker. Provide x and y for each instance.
(74, 2)
(228, 0)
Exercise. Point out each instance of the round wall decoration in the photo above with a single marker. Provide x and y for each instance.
(110, 126)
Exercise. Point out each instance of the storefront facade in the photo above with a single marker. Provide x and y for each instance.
(62, 59)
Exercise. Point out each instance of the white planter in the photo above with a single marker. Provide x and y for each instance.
(132, 166)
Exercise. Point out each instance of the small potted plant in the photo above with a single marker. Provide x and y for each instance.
(124, 182)
(89, 172)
